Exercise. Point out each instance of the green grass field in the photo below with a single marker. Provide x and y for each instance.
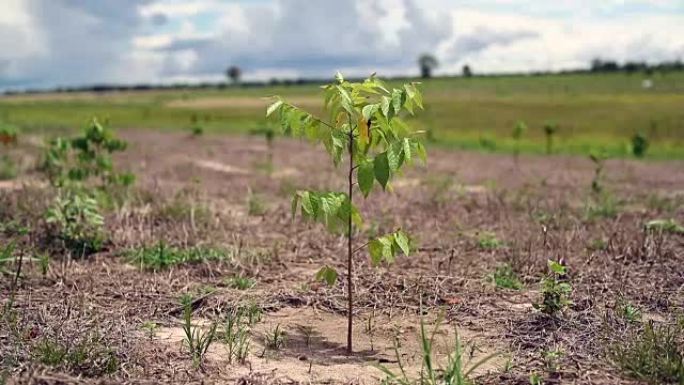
(594, 112)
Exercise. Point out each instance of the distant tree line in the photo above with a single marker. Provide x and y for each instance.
(599, 65)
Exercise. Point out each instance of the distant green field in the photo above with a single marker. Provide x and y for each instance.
(594, 112)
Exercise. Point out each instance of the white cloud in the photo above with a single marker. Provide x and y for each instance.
(73, 42)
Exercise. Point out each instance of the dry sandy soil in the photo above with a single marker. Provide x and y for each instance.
(196, 191)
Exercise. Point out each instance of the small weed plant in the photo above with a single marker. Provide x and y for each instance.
(555, 290)
(236, 336)
(654, 354)
(505, 278)
(640, 145)
(274, 339)
(453, 373)
(365, 126)
(195, 339)
(488, 241)
(240, 282)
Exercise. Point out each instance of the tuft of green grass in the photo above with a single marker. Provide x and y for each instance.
(654, 354)
(162, 256)
(604, 206)
(489, 241)
(274, 339)
(240, 282)
(664, 226)
(453, 373)
(88, 356)
(505, 278)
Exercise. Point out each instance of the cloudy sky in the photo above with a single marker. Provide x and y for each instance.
(46, 43)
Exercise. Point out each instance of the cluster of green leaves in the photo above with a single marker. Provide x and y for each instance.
(640, 145)
(555, 290)
(78, 217)
(72, 166)
(365, 123)
(505, 278)
(162, 256)
(84, 157)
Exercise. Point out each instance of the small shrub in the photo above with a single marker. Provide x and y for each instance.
(78, 221)
(640, 145)
(505, 278)
(555, 291)
(151, 328)
(8, 134)
(654, 354)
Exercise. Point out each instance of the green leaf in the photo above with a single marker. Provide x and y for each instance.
(375, 248)
(407, 150)
(402, 241)
(381, 169)
(394, 156)
(339, 77)
(327, 274)
(385, 106)
(365, 176)
(273, 107)
(369, 110)
(556, 267)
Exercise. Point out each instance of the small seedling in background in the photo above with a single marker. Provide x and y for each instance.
(255, 204)
(370, 328)
(505, 278)
(555, 290)
(196, 128)
(599, 159)
(196, 340)
(44, 263)
(274, 339)
(488, 241)
(518, 131)
(269, 136)
(664, 226)
(536, 379)
(307, 331)
(365, 125)
(550, 130)
(640, 145)
(631, 313)
(151, 328)
(552, 360)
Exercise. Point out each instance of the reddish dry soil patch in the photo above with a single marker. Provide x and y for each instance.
(216, 190)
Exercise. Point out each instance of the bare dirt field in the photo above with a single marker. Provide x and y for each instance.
(468, 213)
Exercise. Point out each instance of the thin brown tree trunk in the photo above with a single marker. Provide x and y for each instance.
(350, 289)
